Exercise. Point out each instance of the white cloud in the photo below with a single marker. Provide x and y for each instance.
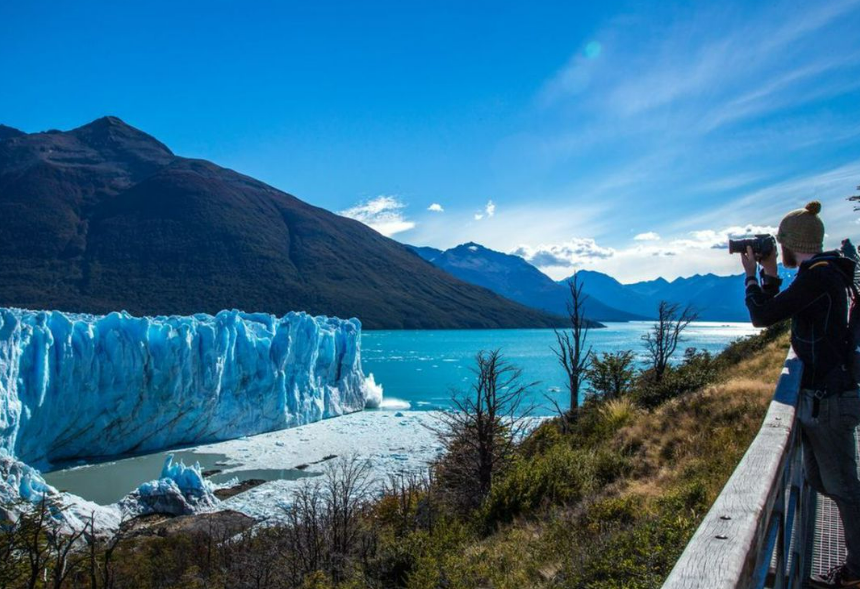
(705, 239)
(568, 254)
(383, 213)
(436, 208)
(648, 236)
(489, 211)
(683, 255)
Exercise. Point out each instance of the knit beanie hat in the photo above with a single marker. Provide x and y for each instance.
(802, 230)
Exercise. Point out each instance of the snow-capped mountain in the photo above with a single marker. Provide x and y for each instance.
(514, 278)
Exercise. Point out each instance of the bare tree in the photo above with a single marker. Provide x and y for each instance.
(412, 498)
(101, 551)
(572, 353)
(12, 566)
(65, 554)
(480, 433)
(662, 340)
(305, 538)
(32, 529)
(347, 490)
(324, 522)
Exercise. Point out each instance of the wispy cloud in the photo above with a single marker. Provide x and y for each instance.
(383, 213)
(688, 123)
(488, 211)
(436, 208)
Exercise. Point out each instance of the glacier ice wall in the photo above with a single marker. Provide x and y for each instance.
(77, 386)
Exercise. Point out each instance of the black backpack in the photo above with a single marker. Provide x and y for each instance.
(854, 333)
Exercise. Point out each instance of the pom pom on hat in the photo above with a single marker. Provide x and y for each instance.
(813, 207)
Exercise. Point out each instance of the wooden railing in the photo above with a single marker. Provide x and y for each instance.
(757, 531)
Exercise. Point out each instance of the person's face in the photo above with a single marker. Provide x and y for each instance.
(789, 260)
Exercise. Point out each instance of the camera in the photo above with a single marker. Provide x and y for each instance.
(762, 245)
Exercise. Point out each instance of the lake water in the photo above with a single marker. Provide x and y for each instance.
(420, 369)
(108, 482)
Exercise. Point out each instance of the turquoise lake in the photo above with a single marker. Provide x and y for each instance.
(420, 369)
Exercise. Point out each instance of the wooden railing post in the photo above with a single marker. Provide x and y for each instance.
(756, 532)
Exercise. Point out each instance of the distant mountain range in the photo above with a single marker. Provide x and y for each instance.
(717, 298)
(105, 217)
(514, 278)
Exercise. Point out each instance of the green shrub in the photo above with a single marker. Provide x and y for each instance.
(697, 370)
(561, 476)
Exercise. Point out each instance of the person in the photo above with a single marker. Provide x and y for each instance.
(817, 303)
(849, 251)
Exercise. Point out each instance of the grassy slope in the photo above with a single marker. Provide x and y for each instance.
(611, 502)
(614, 503)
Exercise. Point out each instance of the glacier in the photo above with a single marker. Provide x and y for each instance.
(78, 386)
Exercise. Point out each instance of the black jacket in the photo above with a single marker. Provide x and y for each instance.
(817, 302)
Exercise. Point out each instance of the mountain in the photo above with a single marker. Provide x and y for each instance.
(611, 292)
(105, 217)
(9, 132)
(514, 278)
(428, 253)
(717, 298)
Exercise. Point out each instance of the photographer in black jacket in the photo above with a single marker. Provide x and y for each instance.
(817, 302)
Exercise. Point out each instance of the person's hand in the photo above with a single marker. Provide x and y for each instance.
(749, 262)
(768, 264)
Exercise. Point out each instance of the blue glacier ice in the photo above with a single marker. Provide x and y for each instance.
(181, 490)
(79, 386)
(17, 480)
(187, 478)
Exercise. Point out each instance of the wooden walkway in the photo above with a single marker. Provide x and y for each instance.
(828, 545)
(767, 528)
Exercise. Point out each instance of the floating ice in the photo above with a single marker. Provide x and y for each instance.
(181, 490)
(188, 478)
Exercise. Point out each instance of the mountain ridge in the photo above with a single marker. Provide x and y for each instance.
(716, 298)
(514, 278)
(105, 217)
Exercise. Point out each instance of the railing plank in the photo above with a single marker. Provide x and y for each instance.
(727, 549)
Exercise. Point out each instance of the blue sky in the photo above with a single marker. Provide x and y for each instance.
(626, 137)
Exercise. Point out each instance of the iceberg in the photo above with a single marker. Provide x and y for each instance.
(181, 490)
(76, 386)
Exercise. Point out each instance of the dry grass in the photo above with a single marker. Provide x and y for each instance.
(619, 413)
(711, 428)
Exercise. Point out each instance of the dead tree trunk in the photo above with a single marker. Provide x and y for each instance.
(572, 352)
(665, 335)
